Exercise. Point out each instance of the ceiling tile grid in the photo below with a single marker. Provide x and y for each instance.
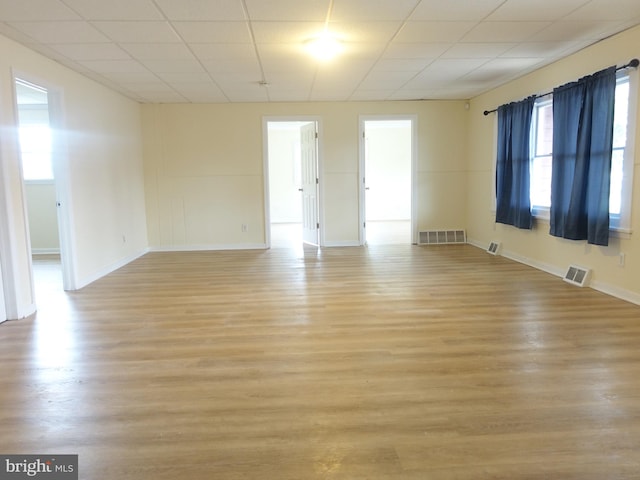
(204, 51)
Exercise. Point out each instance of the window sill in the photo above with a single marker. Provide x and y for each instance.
(44, 181)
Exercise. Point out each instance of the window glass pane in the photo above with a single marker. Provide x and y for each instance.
(621, 114)
(541, 181)
(544, 140)
(35, 143)
(615, 196)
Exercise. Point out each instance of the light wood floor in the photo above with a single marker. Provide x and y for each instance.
(389, 362)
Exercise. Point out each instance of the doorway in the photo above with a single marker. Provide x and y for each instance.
(36, 153)
(386, 167)
(293, 183)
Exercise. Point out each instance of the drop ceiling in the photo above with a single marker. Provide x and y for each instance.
(221, 51)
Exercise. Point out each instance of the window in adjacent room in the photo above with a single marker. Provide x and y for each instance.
(34, 131)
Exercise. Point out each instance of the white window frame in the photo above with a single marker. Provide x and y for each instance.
(622, 223)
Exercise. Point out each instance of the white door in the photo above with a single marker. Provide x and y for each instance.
(309, 188)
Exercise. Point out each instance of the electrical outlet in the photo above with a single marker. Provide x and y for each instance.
(124, 239)
(621, 259)
(245, 227)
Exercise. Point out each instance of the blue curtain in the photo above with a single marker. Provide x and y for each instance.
(513, 204)
(582, 147)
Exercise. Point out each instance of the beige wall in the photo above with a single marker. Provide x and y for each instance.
(98, 156)
(537, 247)
(204, 169)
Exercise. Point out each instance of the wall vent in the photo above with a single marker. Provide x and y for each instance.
(439, 237)
(577, 275)
(493, 248)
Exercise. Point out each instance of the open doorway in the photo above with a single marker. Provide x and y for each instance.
(36, 152)
(292, 161)
(387, 159)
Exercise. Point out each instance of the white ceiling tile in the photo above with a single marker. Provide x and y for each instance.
(278, 80)
(568, 31)
(142, 87)
(220, 51)
(243, 95)
(288, 10)
(358, 32)
(61, 32)
(138, 32)
(433, 32)
(443, 72)
(91, 51)
(371, 95)
(499, 68)
(162, 97)
(529, 11)
(173, 66)
(235, 80)
(416, 50)
(35, 10)
(286, 32)
(114, 66)
(540, 49)
(240, 67)
(401, 64)
(455, 10)
(477, 50)
(288, 95)
(158, 51)
(202, 10)
(607, 10)
(359, 10)
(506, 32)
(386, 80)
(184, 77)
(116, 9)
(142, 76)
(392, 49)
(213, 32)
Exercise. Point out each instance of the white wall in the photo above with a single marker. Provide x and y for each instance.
(99, 159)
(537, 247)
(43, 217)
(204, 178)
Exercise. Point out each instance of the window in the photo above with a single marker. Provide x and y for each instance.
(621, 162)
(35, 146)
(34, 131)
(541, 146)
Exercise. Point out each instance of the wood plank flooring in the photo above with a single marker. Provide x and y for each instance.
(386, 362)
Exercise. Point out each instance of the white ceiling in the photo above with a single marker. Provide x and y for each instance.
(204, 51)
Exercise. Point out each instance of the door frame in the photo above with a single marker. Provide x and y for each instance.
(361, 173)
(265, 162)
(61, 180)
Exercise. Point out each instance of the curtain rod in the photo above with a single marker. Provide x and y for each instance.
(632, 64)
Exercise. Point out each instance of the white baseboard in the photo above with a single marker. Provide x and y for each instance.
(342, 244)
(45, 251)
(617, 292)
(603, 287)
(200, 248)
(81, 283)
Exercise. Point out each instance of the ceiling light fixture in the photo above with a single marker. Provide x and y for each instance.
(324, 47)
